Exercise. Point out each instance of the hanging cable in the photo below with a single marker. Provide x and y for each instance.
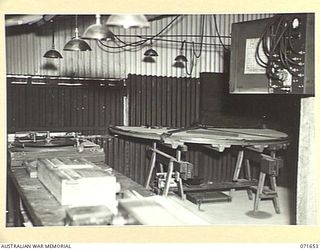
(112, 49)
(194, 51)
(276, 44)
(52, 32)
(263, 43)
(136, 48)
(137, 45)
(202, 25)
(142, 41)
(216, 27)
(291, 47)
(269, 41)
(192, 60)
(133, 44)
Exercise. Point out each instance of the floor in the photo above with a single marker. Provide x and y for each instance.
(239, 210)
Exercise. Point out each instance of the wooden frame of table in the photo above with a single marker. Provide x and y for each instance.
(40, 205)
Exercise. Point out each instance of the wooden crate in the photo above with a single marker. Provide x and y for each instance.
(78, 182)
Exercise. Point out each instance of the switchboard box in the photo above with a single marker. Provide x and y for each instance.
(273, 55)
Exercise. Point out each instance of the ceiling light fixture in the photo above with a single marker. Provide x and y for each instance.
(128, 21)
(151, 52)
(76, 43)
(52, 53)
(181, 57)
(13, 20)
(98, 31)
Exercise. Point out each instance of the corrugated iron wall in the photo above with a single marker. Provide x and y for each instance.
(25, 47)
(89, 106)
(163, 101)
(128, 156)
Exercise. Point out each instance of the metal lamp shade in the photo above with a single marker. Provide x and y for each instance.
(128, 21)
(77, 44)
(52, 54)
(12, 20)
(179, 64)
(98, 31)
(151, 52)
(181, 58)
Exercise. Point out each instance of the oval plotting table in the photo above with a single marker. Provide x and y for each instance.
(218, 138)
(250, 143)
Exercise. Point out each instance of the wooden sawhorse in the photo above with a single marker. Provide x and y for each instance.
(269, 165)
(175, 164)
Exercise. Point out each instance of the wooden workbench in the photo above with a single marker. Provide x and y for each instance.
(42, 208)
(30, 199)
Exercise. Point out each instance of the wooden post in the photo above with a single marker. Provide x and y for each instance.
(248, 176)
(262, 177)
(152, 164)
(168, 179)
(275, 199)
(238, 165)
(178, 155)
(237, 169)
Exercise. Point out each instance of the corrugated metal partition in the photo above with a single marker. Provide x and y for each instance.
(89, 106)
(128, 157)
(163, 101)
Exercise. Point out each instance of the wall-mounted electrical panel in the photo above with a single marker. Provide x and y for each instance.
(273, 55)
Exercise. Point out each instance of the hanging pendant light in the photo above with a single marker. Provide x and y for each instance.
(76, 43)
(151, 52)
(98, 31)
(181, 57)
(128, 21)
(13, 20)
(52, 53)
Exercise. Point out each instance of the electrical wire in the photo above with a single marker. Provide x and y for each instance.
(136, 48)
(262, 42)
(140, 42)
(216, 27)
(192, 61)
(266, 40)
(174, 35)
(290, 43)
(134, 44)
(276, 43)
(176, 41)
(202, 25)
(122, 45)
(112, 50)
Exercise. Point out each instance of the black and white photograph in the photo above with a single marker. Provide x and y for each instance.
(152, 120)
